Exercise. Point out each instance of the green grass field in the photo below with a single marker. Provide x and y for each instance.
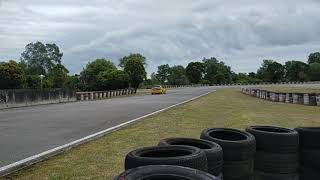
(103, 158)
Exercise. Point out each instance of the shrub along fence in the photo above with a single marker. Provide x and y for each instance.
(29, 97)
(311, 99)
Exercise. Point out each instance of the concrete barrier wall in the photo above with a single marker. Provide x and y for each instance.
(183, 86)
(294, 98)
(96, 95)
(31, 97)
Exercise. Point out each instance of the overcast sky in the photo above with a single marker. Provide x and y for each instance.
(242, 33)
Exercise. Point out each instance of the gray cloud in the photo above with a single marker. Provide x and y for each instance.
(241, 33)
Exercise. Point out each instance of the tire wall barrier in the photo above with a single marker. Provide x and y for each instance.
(30, 97)
(95, 95)
(277, 154)
(238, 151)
(311, 99)
(309, 153)
(258, 153)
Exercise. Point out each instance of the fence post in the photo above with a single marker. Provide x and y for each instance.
(295, 98)
(318, 99)
(306, 99)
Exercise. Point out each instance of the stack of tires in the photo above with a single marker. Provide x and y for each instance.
(212, 150)
(309, 153)
(185, 161)
(277, 153)
(238, 151)
(164, 172)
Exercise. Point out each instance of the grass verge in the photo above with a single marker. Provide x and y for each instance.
(103, 158)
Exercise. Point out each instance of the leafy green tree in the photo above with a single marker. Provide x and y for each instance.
(33, 82)
(296, 71)
(271, 71)
(90, 73)
(214, 70)
(11, 75)
(314, 71)
(163, 73)
(113, 79)
(194, 71)
(73, 82)
(177, 76)
(154, 79)
(58, 76)
(134, 67)
(314, 58)
(137, 56)
(219, 78)
(252, 75)
(39, 58)
(241, 78)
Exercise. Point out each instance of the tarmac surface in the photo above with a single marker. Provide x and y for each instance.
(27, 131)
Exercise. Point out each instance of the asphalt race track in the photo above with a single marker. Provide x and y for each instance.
(31, 130)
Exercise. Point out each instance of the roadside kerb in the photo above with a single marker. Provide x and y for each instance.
(58, 150)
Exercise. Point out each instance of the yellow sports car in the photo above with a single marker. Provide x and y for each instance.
(158, 90)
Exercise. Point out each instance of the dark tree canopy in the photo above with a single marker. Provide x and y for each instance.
(271, 71)
(134, 67)
(163, 73)
(177, 76)
(216, 72)
(296, 71)
(33, 81)
(73, 82)
(90, 73)
(314, 72)
(252, 75)
(39, 58)
(58, 76)
(124, 60)
(195, 71)
(11, 75)
(113, 79)
(314, 58)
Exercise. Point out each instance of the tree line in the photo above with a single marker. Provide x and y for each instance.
(41, 65)
(213, 71)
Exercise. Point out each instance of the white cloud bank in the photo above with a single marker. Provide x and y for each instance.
(241, 33)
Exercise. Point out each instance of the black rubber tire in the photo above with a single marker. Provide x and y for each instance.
(309, 137)
(237, 145)
(258, 175)
(276, 163)
(238, 170)
(310, 158)
(186, 156)
(309, 174)
(156, 172)
(213, 151)
(275, 139)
